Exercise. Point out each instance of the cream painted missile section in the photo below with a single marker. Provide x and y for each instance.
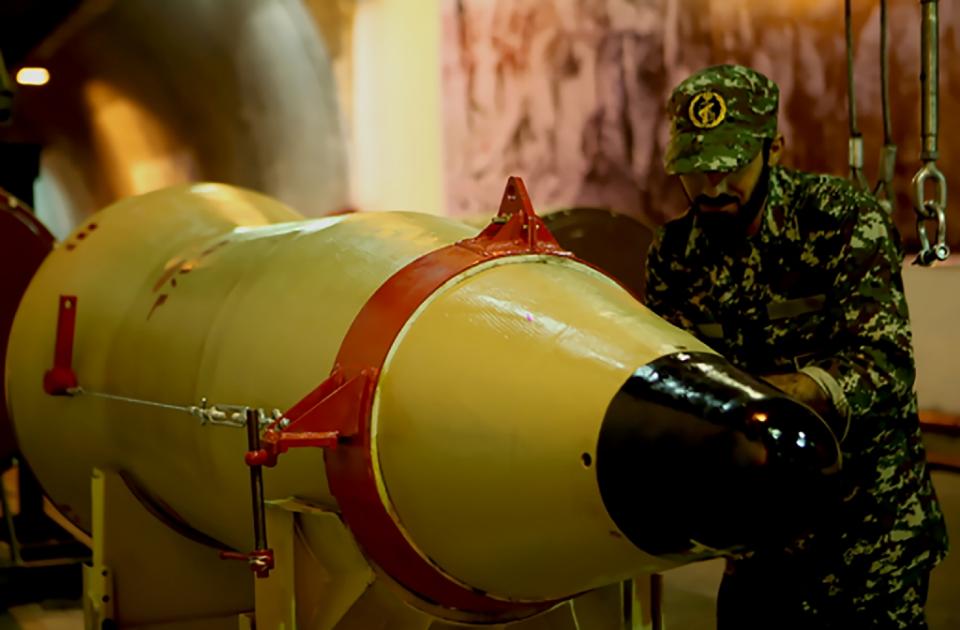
(485, 418)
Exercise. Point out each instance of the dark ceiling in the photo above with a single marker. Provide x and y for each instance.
(24, 24)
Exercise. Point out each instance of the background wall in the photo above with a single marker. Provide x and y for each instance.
(569, 93)
(934, 301)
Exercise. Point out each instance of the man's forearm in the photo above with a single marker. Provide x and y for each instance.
(803, 388)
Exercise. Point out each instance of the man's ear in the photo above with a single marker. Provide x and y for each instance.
(776, 149)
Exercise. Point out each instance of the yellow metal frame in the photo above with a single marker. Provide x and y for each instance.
(144, 575)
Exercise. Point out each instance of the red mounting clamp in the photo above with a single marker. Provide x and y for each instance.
(516, 228)
(60, 379)
(325, 417)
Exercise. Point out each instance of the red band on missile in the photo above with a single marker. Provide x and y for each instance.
(516, 230)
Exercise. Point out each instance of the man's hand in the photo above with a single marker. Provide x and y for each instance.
(803, 388)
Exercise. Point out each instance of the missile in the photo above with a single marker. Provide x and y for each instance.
(499, 427)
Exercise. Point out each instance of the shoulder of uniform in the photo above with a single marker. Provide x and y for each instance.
(827, 201)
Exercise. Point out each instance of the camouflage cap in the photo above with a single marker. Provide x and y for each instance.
(719, 118)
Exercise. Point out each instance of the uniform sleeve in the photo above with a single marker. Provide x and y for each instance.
(873, 365)
(661, 290)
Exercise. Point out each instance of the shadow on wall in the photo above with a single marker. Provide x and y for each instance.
(569, 94)
(146, 94)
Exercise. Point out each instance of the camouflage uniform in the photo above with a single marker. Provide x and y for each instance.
(816, 290)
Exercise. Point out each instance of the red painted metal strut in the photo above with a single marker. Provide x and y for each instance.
(61, 379)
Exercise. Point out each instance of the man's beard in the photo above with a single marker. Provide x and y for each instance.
(723, 225)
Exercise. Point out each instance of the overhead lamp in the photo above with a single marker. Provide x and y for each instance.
(33, 76)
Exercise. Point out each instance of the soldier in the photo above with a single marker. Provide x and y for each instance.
(796, 277)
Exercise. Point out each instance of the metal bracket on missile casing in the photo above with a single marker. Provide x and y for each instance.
(61, 380)
(516, 228)
(327, 416)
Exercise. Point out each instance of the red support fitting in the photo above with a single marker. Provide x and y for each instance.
(60, 379)
(516, 229)
(327, 416)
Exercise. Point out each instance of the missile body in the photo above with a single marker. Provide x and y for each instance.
(533, 432)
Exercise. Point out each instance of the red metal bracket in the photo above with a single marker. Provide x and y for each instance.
(327, 416)
(60, 379)
(516, 229)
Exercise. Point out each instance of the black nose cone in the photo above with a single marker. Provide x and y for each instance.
(696, 457)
